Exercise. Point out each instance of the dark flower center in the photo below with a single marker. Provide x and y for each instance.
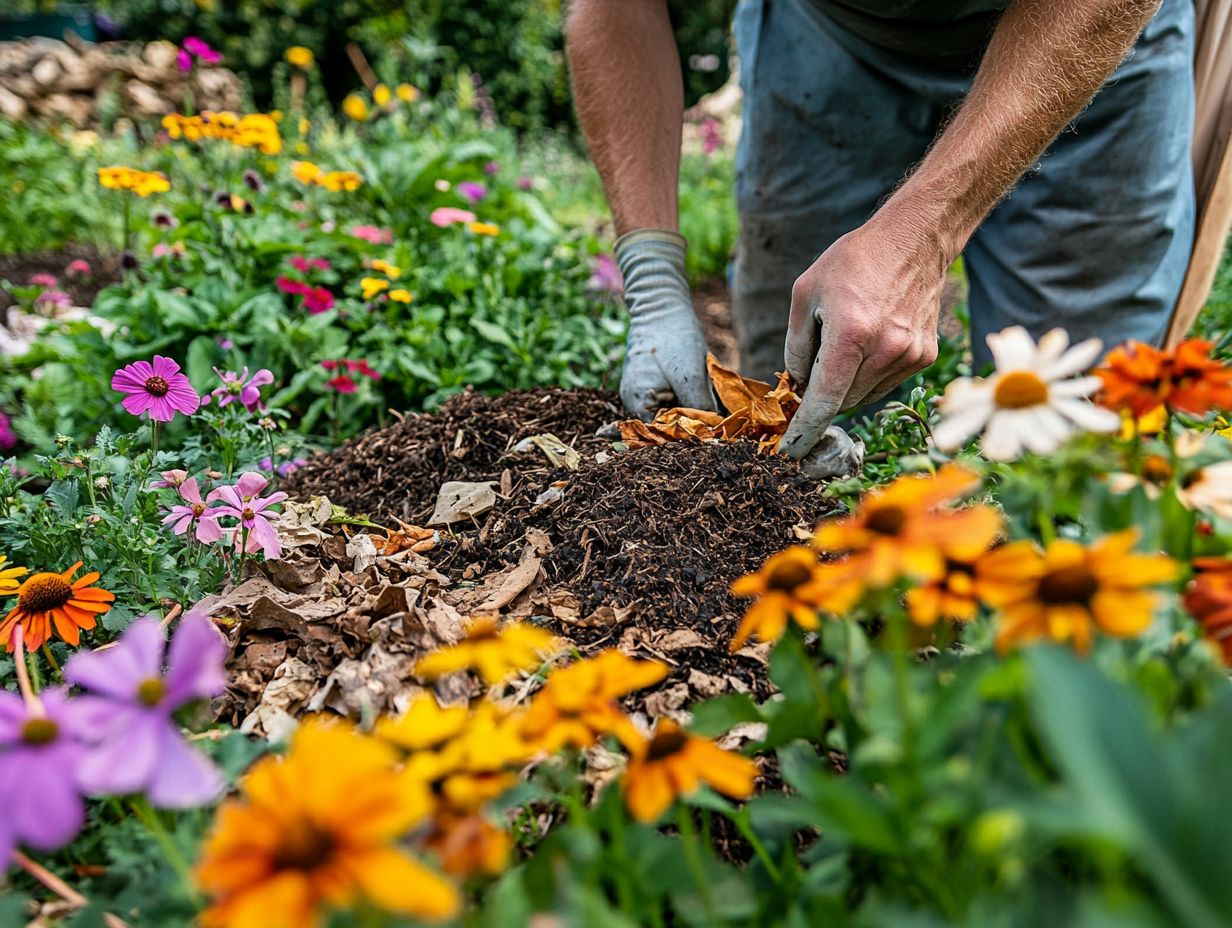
(198, 509)
(151, 692)
(1068, 586)
(44, 592)
(157, 386)
(787, 576)
(248, 514)
(666, 743)
(304, 846)
(886, 520)
(39, 731)
(1156, 468)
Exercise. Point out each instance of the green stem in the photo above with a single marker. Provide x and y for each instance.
(243, 553)
(55, 665)
(896, 638)
(688, 838)
(154, 429)
(149, 818)
(759, 849)
(36, 675)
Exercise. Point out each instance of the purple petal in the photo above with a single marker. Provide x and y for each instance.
(132, 375)
(208, 530)
(128, 756)
(261, 378)
(191, 490)
(251, 484)
(265, 536)
(13, 716)
(161, 410)
(184, 777)
(229, 495)
(185, 516)
(165, 368)
(119, 670)
(38, 790)
(195, 661)
(137, 403)
(8, 842)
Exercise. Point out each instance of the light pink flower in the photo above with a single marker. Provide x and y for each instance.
(243, 503)
(157, 388)
(194, 514)
(53, 298)
(373, 234)
(241, 388)
(444, 216)
(43, 280)
(77, 268)
(304, 265)
(172, 479)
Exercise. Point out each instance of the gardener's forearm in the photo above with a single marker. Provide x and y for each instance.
(630, 103)
(1044, 63)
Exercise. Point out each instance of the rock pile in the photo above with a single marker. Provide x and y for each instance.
(75, 81)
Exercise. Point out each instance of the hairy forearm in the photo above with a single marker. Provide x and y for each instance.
(1044, 63)
(630, 103)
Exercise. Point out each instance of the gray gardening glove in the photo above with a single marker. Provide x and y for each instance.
(665, 354)
(836, 455)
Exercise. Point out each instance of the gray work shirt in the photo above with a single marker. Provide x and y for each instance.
(941, 32)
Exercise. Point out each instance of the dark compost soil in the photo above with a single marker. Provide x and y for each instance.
(104, 271)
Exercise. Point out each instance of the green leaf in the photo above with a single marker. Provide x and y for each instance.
(715, 716)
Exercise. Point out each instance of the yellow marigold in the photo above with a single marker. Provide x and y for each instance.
(299, 57)
(674, 763)
(401, 296)
(142, 183)
(305, 172)
(48, 602)
(407, 93)
(9, 575)
(577, 705)
(256, 130)
(317, 829)
(1067, 591)
(493, 651)
(381, 95)
(355, 107)
(340, 180)
(484, 228)
(371, 286)
(392, 271)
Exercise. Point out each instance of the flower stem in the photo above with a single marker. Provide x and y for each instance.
(51, 659)
(149, 818)
(688, 838)
(154, 426)
(243, 553)
(759, 850)
(26, 669)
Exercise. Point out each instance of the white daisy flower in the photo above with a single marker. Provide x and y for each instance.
(1209, 490)
(1032, 401)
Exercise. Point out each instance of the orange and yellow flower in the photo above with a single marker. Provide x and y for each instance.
(577, 705)
(372, 286)
(9, 577)
(51, 602)
(468, 845)
(1209, 600)
(495, 652)
(484, 228)
(305, 172)
(392, 271)
(406, 93)
(1139, 378)
(142, 183)
(401, 295)
(355, 107)
(793, 586)
(381, 95)
(1066, 592)
(674, 763)
(317, 829)
(954, 595)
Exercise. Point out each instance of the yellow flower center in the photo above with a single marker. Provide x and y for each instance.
(156, 386)
(886, 520)
(1073, 585)
(39, 731)
(665, 743)
(151, 692)
(304, 846)
(44, 592)
(1020, 389)
(248, 514)
(787, 576)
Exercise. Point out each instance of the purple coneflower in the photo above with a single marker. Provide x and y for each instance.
(132, 700)
(156, 388)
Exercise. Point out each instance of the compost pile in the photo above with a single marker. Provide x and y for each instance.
(634, 549)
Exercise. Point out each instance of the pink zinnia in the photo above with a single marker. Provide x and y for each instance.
(444, 216)
(318, 300)
(8, 438)
(342, 383)
(472, 191)
(304, 265)
(289, 285)
(373, 234)
(242, 502)
(43, 280)
(193, 514)
(78, 268)
(156, 388)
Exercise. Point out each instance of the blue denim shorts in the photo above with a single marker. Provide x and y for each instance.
(1096, 237)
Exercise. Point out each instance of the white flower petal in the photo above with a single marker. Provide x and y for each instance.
(1012, 349)
(1051, 347)
(1086, 415)
(1076, 387)
(955, 428)
(965, 393)
(1001, 441)
(1043, 429)
(1078, 358)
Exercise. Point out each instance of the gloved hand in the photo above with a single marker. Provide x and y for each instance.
(665, 354)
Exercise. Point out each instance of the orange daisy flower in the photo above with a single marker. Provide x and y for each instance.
(1139, 379)
(898, 530)
(792, 585)
(674, 763)
(954, 595)
(1209, 600)
(49, 601)
(1067, 591)
(495, 652)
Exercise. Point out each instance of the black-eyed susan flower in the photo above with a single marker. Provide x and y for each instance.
(51, 602)
(493, 651)
(954, 595)
(317, 829)
(1067, 591)
(674, 763)
(791, 586)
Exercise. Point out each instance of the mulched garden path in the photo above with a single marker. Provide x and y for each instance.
(105, 270)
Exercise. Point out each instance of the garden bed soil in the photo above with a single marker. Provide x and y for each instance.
(104, 271)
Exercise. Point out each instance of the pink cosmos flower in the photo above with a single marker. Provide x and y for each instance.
(53, 298)
(172, 479)
(192, 513)
(444, 216)
(157, 388)
(132, 699)
(605, 276)
(41, 754)
(198, 49)
(472, 191)
(78, 268)
(43, 280)
(8, 438)
(318, 300)
(243, 503)
(304, 265)
(241, 388)
(342, 383)
(373, 234)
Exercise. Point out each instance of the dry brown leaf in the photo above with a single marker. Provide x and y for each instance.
(407, 538)
(462, 501)
(707, 685)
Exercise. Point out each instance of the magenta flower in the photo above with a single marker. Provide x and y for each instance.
(157, 388)
(78, 268)
(132, 700)
(192, 513)
(491, 168)
(172, 479)
(43, 280)
(291, 286)
(198, 50)
(243, 503)
(444, 216)
(342, 383)
(525, 183)
(373, 234)
(472, 191)
(53, 298)
(712, 135)
(41, 754)
(318, 300)
(605, 275)
(304, 265)
(8, 438)
(241, 388)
